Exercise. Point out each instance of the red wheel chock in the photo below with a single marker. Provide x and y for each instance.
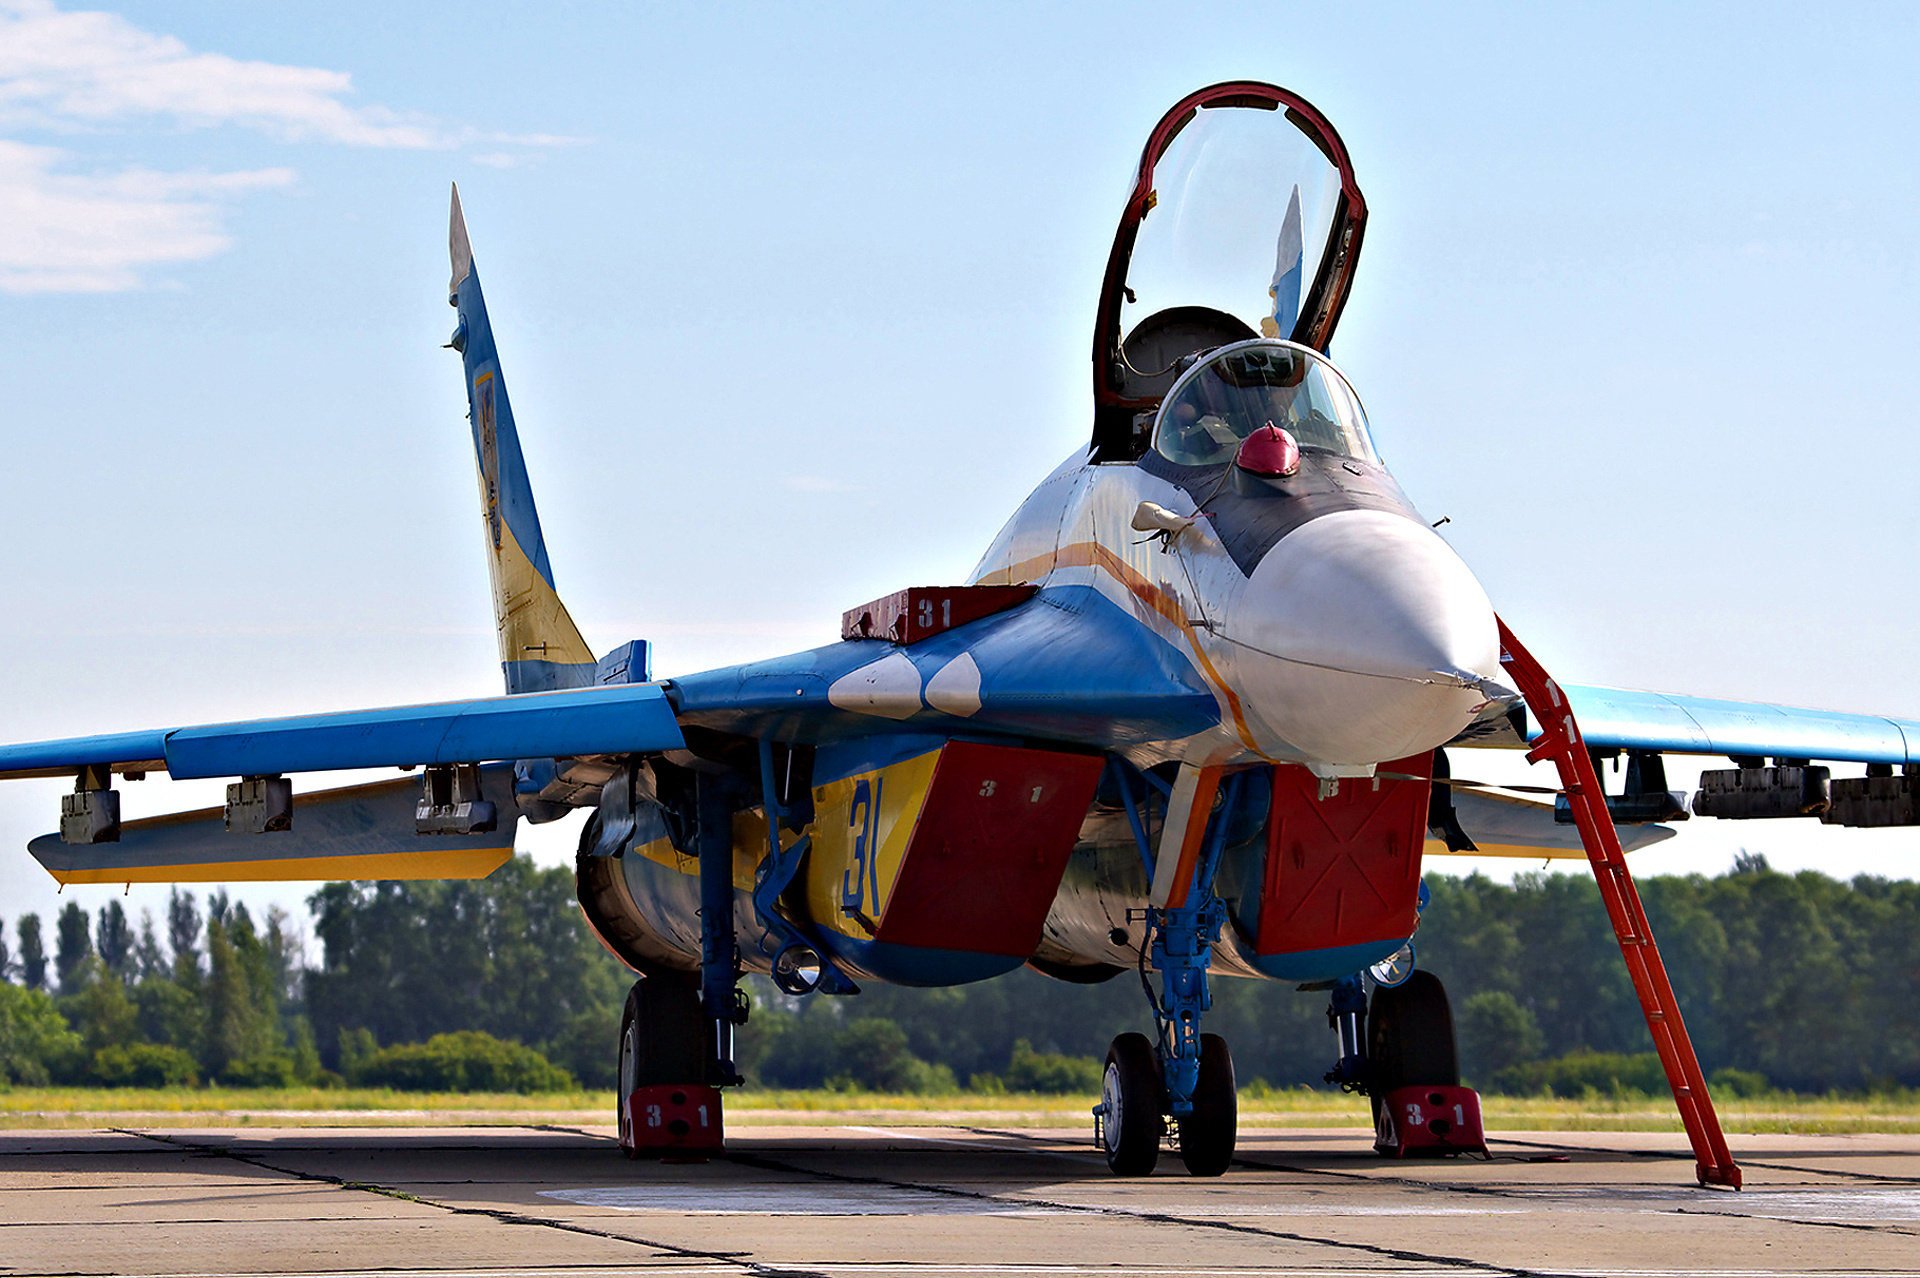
(1435, 1121)
(673, 1118)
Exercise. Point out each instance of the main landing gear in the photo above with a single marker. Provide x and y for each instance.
(1400, 1053)
(1187, 1077)
(676, 1032)
(667, 1049)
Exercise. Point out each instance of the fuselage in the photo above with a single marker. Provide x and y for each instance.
(1332, 627)
(1336, 629)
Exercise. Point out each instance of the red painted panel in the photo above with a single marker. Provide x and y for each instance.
(920, 612)
(989, 849)
(1343, 870)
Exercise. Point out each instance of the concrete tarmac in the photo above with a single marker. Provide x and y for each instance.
(933, 1202)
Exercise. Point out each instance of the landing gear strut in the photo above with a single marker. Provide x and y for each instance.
(1187, 1076)
(676, 1034)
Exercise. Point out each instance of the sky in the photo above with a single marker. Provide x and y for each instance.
(795, 305)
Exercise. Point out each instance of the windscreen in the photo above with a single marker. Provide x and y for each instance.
(1239, 389)
(1242, 207)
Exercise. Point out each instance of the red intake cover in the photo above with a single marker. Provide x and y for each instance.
(988, 851)
(1344, 870)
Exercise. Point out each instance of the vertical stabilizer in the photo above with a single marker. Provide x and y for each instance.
(540, 647)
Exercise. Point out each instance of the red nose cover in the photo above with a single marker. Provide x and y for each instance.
(1344, 870)
(1268, 451)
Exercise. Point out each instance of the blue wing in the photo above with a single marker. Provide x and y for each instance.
(617, 719)
(1615, 718)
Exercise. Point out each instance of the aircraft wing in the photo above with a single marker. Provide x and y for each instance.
(617, 719)
(1615, 718)
(1067, 666)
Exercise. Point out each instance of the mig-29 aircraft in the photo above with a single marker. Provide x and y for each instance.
(1188, 717)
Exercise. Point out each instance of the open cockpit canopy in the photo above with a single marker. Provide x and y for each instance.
(1234, 391)
(1244, 221)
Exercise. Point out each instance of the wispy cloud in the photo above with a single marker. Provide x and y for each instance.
(95, 232)
(65, 228)
(86, 67)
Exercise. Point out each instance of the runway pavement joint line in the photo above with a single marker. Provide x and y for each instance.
(1457, 1265)
(504, 1217)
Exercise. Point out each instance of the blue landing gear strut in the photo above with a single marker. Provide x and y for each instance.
(800, 964)
(721, 998)
(1347, 1013)
(1194, 1084)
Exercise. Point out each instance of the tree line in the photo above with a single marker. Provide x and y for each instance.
(1797, 982)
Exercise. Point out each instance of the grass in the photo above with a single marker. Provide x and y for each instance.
(44, 1107)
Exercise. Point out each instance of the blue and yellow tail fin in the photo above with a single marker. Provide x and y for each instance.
(540, 647)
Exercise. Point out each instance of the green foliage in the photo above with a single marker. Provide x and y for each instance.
(243, 1013)
(113, 939)
(169, 1012)
(262, 1069)
(74, 945)
(96, 1004)
(873, 1056)
(357, 1047)
(36, 1045)
(1495, 1033)
(508, 954)
(468, 1060)
(1738, 1083)
(33, 952)
(305, 1053)
(1788, 981)
(144, 1065)
(1585, 1073)
(183, 935)
(1055, 1072)
(1812, 982)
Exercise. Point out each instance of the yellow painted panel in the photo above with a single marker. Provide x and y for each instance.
(749, 849)
(862, 827)
(533, 624)
(1435, 847)
(467, 863)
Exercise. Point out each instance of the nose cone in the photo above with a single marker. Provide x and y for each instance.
(1365, 639)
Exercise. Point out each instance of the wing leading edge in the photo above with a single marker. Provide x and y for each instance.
(1616, 718)
(617, 719)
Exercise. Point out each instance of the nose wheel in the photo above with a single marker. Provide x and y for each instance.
(1132, 1114)
(1208, 1134)
(1132, 1101)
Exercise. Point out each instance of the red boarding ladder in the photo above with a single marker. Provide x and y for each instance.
(1560, 740)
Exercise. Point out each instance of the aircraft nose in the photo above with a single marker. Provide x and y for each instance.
(1381, 643)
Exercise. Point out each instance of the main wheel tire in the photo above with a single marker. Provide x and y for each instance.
(1410, 1038)
(629, 1076)
(664, 1038)
(1208, 1135)
(1134, 1098)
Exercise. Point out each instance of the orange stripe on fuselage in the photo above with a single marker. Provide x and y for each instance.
(1091, 554)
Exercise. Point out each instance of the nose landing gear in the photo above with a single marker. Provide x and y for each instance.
(1188, 1077)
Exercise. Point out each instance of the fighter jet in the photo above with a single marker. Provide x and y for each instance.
(1188, 717)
